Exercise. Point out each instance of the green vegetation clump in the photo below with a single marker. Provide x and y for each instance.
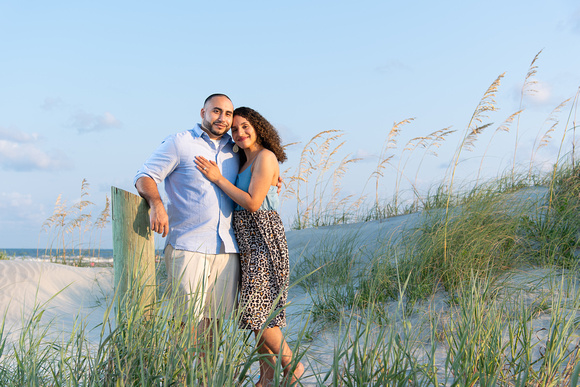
(553, 234)
(491, 232)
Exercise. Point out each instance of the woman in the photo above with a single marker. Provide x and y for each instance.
(260, 235)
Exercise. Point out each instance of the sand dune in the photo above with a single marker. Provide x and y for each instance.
(64, 293)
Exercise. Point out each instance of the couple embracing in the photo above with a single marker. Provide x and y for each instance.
(223, 229)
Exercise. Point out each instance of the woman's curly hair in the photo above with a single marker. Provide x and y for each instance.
(267, 135)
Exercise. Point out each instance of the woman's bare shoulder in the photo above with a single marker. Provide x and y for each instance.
(267, 156)
(267, 163)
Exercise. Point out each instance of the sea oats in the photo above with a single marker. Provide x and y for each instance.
(81, 219)
(485, 105)
(529, 80)
(437, 137)
(317, 158)
(504, 127)
(390, 143)
(472, 136)
(527, 88)
(546, 137)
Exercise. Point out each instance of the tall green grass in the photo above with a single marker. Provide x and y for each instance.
(139, 345)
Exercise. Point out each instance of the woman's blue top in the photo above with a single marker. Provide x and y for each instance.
(271, 202)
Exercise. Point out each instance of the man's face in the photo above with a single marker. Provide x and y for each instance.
(216, 116)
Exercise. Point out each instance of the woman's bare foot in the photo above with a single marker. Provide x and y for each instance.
(264, 382)
(298, 372)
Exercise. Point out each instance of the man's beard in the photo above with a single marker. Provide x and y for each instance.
(209, 127)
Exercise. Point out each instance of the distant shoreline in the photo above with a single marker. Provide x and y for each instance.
(46, 254)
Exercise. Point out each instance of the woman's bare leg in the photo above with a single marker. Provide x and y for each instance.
(266, 366)
(273, 340)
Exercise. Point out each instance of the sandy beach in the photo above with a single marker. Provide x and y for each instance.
(64, 294)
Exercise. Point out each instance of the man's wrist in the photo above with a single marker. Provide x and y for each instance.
(155, 203)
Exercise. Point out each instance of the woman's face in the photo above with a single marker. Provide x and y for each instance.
(243, 133)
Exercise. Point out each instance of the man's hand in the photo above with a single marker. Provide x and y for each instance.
(159, 219)
(279, 185)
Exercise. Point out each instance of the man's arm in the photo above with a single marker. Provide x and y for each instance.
(147, 188)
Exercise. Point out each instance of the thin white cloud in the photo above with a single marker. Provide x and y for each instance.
(365, 155)
(25, 156)
(85, 122)
(15, 200)
(51, 103)
(394, 66)
(542, 94)
(539, 94)
(573, 21)
(17, 136)
(20, 210)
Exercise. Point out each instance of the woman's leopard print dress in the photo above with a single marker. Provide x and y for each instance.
(264, 268)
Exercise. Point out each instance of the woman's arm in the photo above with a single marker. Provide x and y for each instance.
(265, 169)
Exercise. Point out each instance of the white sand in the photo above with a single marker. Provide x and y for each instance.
(65, 293)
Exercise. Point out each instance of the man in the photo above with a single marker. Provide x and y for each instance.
(200, 251)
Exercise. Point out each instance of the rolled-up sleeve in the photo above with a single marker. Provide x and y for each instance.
(161, 163)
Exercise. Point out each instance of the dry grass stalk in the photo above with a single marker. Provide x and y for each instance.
(545, 140)
(102, 221)
(485, 105)
(287, 186)
(574, 126)
(417, 142)
(556, 164)
(289, 190)
(304, 169)
(390, 143)
(547, 136)
(527, 88)
(504, 127)
(475, 125)
(337, 176)
(290, 144)
(59, 207)
(435, 140)
(326, 161)
(472, 137)
(58, 219)
(82, 219)
(317, 156)
(61, 225)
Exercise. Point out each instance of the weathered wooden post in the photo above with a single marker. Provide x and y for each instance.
(133, 247)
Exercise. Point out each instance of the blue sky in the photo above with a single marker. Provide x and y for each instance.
(89, 89)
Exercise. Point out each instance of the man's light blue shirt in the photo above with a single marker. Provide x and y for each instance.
(200, 214)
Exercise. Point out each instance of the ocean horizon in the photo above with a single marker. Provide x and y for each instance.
(57, 254)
